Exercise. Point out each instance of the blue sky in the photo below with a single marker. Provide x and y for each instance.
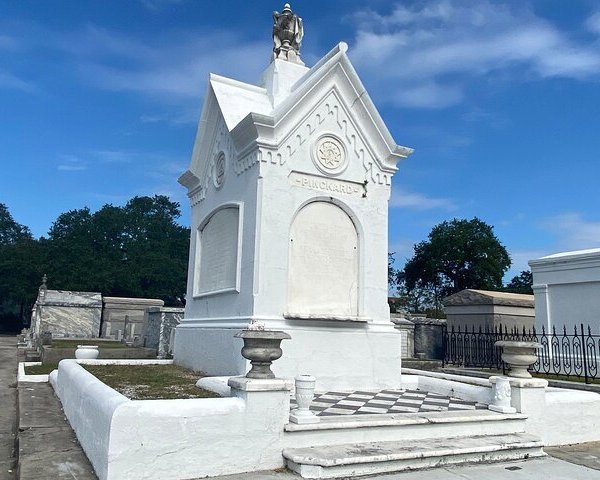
(501, 101)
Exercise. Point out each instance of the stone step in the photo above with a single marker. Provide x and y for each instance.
(356, 459)
(344, 429)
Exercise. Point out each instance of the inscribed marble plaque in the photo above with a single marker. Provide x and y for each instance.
(323, 272)
(218, 252)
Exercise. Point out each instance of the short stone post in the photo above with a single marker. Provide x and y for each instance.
(305, 393)
(502, 395)
(267, 411)
(528, 394)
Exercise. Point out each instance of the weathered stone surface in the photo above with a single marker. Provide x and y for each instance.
(67, 314)
(127, 315)
(159, 327)
(485, 297)
(474, 309)
(8, 400)
(42, 423)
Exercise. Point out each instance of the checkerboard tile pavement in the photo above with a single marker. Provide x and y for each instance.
(385, 401)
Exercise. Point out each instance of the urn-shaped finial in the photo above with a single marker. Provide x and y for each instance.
(287, 35)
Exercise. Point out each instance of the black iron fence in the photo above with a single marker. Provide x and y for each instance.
(570, 354)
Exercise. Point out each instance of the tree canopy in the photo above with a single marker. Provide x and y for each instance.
(11, 232)
(458, 254)
(135, 250)
(19, 270)
(521, 283)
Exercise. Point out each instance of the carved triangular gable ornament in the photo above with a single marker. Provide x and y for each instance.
(278, 127)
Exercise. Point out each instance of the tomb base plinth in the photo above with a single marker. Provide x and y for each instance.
(341, 355)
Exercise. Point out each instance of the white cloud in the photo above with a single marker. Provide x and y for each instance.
(12, 82)
(573, 232)
(435, 49)
(71, 163)
(427, 95)
(157, 5)
(403, 249)
(418, 201)
(593, 23)
(520, 259)
(172, 67)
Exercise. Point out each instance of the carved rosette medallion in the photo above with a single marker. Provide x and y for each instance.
(219, 170)
(329, 155)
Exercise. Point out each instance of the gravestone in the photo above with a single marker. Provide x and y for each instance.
(127, 315)
(289, 186)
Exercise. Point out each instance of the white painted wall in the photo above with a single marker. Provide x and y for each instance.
(195, 438)
(567, 289)
(559, 416)
(175, 439)
(89, 405)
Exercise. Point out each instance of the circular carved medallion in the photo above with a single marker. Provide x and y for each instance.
(330, 155)
(219, 170)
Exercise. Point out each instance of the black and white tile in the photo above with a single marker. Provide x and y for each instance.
(386, 401)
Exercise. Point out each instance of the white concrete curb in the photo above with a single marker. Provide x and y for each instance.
(22, 377)
(129, 361)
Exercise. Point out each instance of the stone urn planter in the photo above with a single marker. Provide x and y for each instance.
(262, 347)
(86, 352)
(519, 356)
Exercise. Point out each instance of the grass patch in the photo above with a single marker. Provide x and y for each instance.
(150, 382)
(43, 369)
(85, 341)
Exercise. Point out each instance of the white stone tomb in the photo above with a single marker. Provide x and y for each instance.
(289, 185)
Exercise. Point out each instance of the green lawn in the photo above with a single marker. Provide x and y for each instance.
(43, 369)
(150, 382)
(58, 343)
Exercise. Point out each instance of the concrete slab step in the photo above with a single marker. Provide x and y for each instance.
(344, 429)
(358, 459)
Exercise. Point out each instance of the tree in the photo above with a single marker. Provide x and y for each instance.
(11, 232)
(137, 250)
(20, 271)
(392, 272)
(458, 254)
(521, 283)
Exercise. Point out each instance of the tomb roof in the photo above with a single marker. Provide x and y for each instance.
(488, 297)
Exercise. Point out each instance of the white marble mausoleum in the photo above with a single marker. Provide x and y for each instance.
(289, 185)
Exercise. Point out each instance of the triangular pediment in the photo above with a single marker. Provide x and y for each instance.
(237, 118)
(332, 87)
(213, 140)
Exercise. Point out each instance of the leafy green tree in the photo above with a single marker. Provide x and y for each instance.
(137, 250)
(11, 232)
(458, 254)
(521, 283)
(21, 264)
(392, 272)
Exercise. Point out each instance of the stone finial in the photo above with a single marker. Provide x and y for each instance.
(44, 285)
(287, 35)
